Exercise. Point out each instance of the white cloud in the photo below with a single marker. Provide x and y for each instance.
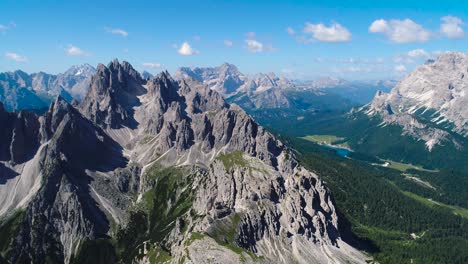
(354, 61)
(15, 57)
(418, 53)
(414, 56)
(400, 68)
(404, 58)
(254, 46)
(3, 28)
(352, 69)
(117, 31)
(333, 33)
(400, 31)
(269, 47)
(228, 43)
(152, 65)
(250, 35)
(378, 26)
(186, 50)
(75, 51)
(452, 27)
(291, 31)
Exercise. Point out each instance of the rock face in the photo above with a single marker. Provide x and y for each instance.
(430, 101)
(19, 90)
(168, 171)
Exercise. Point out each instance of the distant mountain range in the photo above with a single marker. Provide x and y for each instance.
(262, 91)
(19, 90)
(227, 80)
(361, 92)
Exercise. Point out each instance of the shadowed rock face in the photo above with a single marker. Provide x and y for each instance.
(63, 210)
(94, 162)
(19, 135)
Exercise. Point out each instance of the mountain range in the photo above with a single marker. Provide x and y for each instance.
(147, 170)
(19, 90)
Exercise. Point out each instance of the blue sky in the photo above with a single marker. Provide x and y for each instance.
(299, 39)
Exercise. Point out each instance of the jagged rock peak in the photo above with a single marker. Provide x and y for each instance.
(163, 85)
(112, 94)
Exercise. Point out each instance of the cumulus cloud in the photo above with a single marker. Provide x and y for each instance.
(75, 51)
(400, 31)
(152, 65)
(228, 43)
(414, 56)
(352, 69)
(15, 57)
(117, 31)
(186, 50)
(418, 53)
(451, 27)
(351, 60)
(269, 47)
(250, 35)
(290, 31)
(334, 33)
(3, 28)
(254, 46)
(400, 68)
